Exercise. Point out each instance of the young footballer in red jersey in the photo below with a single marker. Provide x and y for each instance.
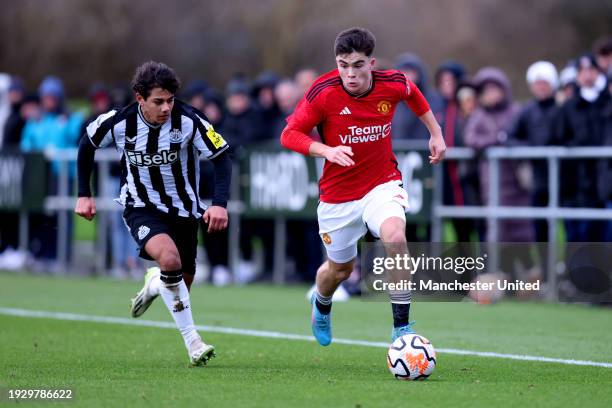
(360, 190)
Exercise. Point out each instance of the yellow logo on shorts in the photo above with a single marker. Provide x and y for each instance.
(215, 138)
(326, 238)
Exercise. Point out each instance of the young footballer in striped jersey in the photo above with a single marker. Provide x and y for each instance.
(160, 140)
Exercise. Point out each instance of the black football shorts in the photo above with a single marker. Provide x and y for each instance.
(145, 223)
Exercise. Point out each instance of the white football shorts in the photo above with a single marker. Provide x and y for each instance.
(342, 225)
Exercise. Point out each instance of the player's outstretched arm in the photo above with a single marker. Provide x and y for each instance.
(85, 206)
(437, 147)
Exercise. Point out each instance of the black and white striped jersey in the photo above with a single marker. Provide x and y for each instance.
(159, 164)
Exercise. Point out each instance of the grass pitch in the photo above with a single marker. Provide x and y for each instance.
(122, 365)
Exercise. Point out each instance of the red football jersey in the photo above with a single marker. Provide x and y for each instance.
(363, 123)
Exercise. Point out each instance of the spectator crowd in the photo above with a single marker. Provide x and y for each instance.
(572, 107)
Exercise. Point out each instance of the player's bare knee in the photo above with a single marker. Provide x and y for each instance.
(394, 236)
(169, 261)
(343, 271)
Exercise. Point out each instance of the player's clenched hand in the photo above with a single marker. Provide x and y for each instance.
(86, 207)
(216, 218)
(340, 155)
(437, 147)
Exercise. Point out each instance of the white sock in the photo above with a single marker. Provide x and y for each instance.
(176, 299)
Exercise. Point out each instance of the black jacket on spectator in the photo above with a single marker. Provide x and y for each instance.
(581, 124)
(13, 127)
(605, 170)
(536, 126)
(242, 129)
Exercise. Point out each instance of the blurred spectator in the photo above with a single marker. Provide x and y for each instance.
(195, 94)
(9, 230)
(265, 103)
(603, 54)
(304, 78)
(123, 249)
(16, 121)
(605, 171)
(567, 85)
(215, 108)
(5, 105)
(405, 124)
(304, 246)
(242, 124)
(489, 126)
(121, 95)
(466, 97)
(468, 102)
(448, 77)
(287, 95)
(58, 129)
(241, 128)
(581, 125)
(535, 126)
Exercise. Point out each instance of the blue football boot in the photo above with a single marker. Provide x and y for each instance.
(321, 324)
(402, 330)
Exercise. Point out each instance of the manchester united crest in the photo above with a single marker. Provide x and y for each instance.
(326, 238)
(384, 107)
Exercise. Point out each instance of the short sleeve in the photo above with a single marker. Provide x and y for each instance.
(100, 130)
(207, 140)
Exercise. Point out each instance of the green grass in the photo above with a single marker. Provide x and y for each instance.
(118, 365)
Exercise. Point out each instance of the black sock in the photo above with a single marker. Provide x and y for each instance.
(401, 313)
(324, 309)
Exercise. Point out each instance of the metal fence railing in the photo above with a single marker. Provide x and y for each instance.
(493, 211)
(63, 203)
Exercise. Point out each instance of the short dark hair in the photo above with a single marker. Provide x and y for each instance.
(355, 39)
(153, 74)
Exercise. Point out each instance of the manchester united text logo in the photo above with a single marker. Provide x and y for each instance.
(384, 107)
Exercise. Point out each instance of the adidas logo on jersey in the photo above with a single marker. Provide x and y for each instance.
(345, 111)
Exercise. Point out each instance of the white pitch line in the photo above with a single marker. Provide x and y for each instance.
(277, 335)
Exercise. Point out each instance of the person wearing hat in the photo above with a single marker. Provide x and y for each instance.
(489, 126)
(15, 122)
(535, 126)
(605, 165)
(56, 129)
(265, 103)
(405, 125)
(243, 127)
(580, 124)
(567, 83)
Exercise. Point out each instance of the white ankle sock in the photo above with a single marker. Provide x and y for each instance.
(176, 299)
